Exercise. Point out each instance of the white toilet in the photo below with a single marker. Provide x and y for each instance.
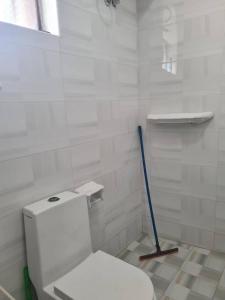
(60, 259)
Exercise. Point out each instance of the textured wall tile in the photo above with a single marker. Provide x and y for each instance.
(130, 5)
(103, 79)
(154, 80)
(167, 203)
(26, 37)
(125, 43)
(126, 38)
(219, 244)
(157, 13)
(198, 212)
(110, 199)
(204, 34)
(74, 20)
(109, 161)
(200, 181)
(122, 182)
(75, 28)
(10, 72)
(221, 111)
(9, 63)
(203, 73)
(126, 181)
(130, 113)
(169, 229)
(221, 145)
(133, 230)
(46, 126)
(82, 120)
(167, 173)
(13, 130)
(118, 219)
(220, 180)
(126, 147)
(166, 104)
(78, 74)
(195, 236)
(102, 35)
(159, 43)
(52, 172)
(200, 146)
(126, 16)
(11, 230)
(11, 180)
(165, 143)
(88, 5)
(110, 121)
(78, 68)
(86, 161)
(126, 80)
(133, 204)
(202, 7)
(220, 217)
(115, 221)
(40, 77)
(204, 101)
(116, 244)
(11, 278)
(134, 175)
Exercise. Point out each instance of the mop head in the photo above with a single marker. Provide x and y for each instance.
(159, 253)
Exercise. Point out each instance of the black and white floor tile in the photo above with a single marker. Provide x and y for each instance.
(191, 274)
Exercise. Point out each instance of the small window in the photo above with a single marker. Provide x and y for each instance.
(35, 14)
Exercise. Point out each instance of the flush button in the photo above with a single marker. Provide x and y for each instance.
(53, 199)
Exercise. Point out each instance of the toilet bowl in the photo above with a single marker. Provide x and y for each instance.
(60, 259)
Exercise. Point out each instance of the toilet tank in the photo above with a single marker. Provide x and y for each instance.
(57, 236)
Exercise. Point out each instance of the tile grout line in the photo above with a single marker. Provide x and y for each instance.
(174, 280)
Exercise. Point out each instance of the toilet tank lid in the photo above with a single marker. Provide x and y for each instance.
(46, 204)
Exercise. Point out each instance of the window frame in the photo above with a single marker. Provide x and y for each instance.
(39, 16)
(40, 19)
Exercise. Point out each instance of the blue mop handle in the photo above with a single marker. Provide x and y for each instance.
(147, 187)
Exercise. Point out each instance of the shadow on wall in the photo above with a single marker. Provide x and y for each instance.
(143, 6)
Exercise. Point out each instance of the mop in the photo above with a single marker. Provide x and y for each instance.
(158, 251)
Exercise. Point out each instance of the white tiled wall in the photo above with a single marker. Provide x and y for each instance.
(68, 114)
(186, 162)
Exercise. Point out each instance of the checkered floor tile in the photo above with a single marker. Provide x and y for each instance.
(191, 274)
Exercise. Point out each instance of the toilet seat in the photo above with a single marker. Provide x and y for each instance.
(102, 276)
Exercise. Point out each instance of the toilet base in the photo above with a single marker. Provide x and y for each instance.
(158, 253)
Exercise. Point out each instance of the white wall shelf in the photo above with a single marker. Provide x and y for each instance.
(180, 118)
